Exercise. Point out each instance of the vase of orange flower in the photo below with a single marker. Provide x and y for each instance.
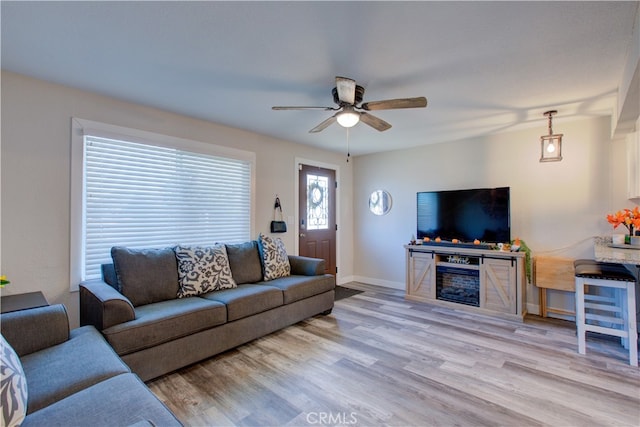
(630, 218)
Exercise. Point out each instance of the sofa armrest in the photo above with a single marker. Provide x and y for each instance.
(28, 331)
(305, 266)
(102, 306)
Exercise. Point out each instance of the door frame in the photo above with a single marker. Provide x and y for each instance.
(297, 162)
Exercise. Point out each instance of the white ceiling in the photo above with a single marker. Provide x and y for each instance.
(485, 67)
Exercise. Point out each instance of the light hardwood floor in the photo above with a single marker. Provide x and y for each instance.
(381, 360)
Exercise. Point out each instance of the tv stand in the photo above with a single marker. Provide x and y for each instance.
(474, 278)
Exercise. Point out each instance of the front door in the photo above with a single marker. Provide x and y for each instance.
(317, 210)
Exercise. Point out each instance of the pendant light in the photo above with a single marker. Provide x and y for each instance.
(551, 145)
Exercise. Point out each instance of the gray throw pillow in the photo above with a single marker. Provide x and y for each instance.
(146, 276)
(244, 260)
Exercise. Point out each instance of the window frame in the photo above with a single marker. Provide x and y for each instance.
(81, 127)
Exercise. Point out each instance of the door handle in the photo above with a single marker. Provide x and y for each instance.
(303, 235)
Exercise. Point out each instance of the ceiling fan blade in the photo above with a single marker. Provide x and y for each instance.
(331, 120)
(346, 90)
(392, 104)
(304, 108)
(375, 122)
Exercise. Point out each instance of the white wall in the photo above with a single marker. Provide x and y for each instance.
(36, 147)
(556, 207)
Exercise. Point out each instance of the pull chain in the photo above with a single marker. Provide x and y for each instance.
(348, 154)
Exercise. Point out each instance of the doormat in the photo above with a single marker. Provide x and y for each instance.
(342, 292)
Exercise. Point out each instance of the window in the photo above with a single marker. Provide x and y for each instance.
(143, 190)
(317, 202)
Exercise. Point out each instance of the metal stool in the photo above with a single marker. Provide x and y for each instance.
(619, 311)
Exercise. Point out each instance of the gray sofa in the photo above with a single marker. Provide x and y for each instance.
(73, 377)
(135, 306)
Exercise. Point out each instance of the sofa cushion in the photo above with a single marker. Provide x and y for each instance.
(275, 262)
(296, 288)
(64, 369)
(247, 300)
(119, 401)
(165, 321)
(244, 260)
(203, 269)
(13, 384)
(146, 276)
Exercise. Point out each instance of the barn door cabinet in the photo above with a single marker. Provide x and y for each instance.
(481, 280)
(422, 269)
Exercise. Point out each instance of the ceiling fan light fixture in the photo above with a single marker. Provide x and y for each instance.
(348, 96)
(348, 117)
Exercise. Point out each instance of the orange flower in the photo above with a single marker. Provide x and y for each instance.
(616, 219)
(627, 217)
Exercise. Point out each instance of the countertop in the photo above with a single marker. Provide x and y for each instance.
(605, 253)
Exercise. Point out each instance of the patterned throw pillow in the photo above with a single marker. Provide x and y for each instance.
(202, 270)
(13, 386)
(275, 260)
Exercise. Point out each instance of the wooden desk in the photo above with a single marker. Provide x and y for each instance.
(553, 273)
(19, 302)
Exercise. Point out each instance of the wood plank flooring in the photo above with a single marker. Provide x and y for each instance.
(381, 360)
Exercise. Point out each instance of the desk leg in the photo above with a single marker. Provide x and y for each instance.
(543, 301)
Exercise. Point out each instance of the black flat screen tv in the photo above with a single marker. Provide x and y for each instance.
(466, 215)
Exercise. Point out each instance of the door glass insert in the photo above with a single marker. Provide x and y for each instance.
(317, 202)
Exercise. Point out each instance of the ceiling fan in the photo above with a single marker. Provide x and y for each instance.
(348, 96)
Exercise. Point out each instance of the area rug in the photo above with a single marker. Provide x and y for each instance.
(342, 292)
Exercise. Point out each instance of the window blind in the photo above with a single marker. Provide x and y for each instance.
(147, 196)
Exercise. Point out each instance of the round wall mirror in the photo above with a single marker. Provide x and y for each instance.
(380, 202)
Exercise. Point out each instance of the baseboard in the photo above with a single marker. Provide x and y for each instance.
(378, 282)
(533, 308)
(342, 280)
